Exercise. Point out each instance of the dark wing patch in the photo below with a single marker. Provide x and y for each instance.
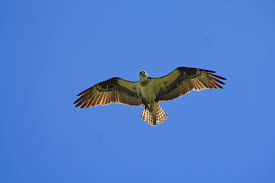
(114, 90)
(183, 80)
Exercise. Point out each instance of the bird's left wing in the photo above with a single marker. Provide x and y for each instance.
(183, 80)
(114, 90)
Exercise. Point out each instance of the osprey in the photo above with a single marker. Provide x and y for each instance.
(149, 91)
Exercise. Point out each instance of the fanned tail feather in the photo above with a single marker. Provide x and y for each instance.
(152, 118)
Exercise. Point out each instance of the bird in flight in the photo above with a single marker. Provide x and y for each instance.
(149, 91)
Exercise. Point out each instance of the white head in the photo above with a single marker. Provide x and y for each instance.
(143, 75)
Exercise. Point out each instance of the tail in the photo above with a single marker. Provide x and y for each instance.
(153, 114)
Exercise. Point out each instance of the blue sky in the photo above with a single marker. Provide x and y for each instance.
(52, 50)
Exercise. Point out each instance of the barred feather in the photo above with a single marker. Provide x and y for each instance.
(152, 118)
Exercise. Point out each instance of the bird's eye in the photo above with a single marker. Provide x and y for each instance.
(142, 72)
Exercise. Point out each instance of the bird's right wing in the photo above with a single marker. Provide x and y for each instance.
(114, 90)
(183, 80)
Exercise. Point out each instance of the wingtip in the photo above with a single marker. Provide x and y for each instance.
(79, 104)
(208, 71)
(79, 94)
(223, 78)
(75, 102)
(83, 92)
(215, 76)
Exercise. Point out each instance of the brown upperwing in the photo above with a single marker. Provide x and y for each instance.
(114, 90)
(183, 80)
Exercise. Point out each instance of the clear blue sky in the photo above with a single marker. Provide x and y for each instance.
(52, 50)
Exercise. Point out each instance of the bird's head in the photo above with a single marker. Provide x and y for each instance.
(143, 75)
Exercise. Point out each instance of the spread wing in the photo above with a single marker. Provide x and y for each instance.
(183, 80)
(114, 90)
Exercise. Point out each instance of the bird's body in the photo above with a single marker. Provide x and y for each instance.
(149, 91)
(148, 97)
